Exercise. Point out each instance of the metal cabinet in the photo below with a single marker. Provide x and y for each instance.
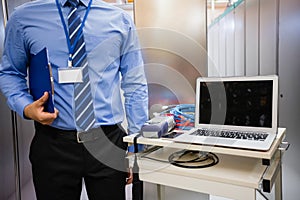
(16, 135)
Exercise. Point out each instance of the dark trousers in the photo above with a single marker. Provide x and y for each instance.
(60, 164)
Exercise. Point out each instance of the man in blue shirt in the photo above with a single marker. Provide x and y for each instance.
(60, 157)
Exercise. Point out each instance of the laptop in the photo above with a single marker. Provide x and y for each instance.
(235, 112)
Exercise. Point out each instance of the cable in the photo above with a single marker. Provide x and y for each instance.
(184, 109)
(155, 159)
(184, 115)
(193, 159)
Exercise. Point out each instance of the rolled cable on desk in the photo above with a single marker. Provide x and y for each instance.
(195, 159)
(186, 158)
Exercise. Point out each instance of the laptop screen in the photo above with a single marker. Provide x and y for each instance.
(236, 103)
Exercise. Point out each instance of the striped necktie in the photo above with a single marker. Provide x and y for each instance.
(84, 110)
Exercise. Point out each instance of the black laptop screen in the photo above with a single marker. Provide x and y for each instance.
(236, 103)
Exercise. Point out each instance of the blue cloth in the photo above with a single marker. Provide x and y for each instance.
(114, 59)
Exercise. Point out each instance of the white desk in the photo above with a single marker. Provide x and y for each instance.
(238, 174)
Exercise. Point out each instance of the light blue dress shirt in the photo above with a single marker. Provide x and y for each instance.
(114, 58)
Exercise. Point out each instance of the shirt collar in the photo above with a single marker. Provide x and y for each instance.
(84, 2)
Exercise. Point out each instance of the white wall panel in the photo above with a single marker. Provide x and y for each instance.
(252, 37)
(216, 50)
(268, 37)
(213, 51)
(239, 40)
(222, 48)
(210, 42)
(230, 43)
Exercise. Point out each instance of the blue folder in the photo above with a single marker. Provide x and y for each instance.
(40, 78)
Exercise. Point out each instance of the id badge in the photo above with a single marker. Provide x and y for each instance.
(70, 75)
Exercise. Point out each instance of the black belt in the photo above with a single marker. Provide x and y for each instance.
(80, 137)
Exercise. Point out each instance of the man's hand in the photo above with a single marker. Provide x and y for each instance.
(129, 178)
(36, 112)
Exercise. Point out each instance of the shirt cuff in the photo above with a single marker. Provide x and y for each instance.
(140, 148)
(19, 108)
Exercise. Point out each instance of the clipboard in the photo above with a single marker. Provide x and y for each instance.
(41, 79)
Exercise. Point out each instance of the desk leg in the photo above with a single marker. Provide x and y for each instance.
(278, 181)
(161, 192)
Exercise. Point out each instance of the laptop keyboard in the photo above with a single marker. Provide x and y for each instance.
(231, 134)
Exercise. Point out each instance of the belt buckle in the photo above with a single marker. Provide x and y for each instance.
(86, 136)
(78, 137)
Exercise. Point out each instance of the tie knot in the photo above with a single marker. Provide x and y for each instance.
(73, 3)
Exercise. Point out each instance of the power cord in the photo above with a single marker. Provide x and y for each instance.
(149, 151)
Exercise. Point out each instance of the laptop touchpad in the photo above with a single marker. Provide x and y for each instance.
(218, 141)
